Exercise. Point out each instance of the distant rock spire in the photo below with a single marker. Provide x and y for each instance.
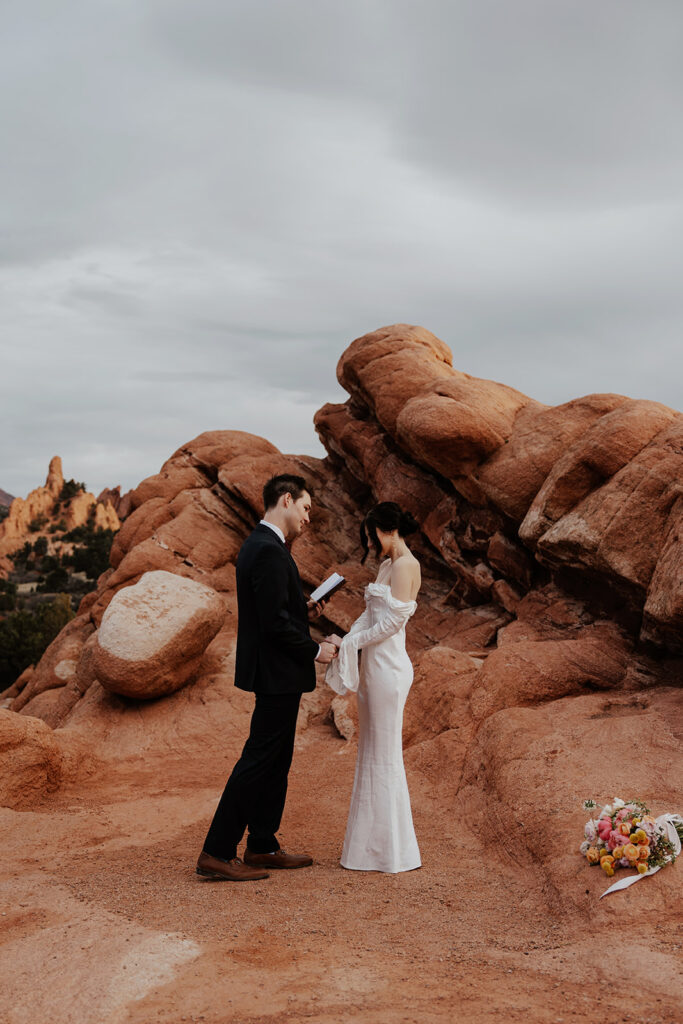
(55, 477)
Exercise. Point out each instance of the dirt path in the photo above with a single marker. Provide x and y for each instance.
(104, 921)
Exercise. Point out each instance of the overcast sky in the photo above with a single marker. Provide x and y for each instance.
(204, 202)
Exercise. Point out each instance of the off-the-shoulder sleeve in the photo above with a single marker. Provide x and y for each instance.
(342, 673)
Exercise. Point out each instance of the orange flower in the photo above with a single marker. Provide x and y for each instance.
(606, 861)
(592, 855)
(640, 836)
(625, 828)
(631, 851)
(642, 867)
(643, 852)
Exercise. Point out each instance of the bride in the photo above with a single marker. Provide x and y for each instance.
(379, 832)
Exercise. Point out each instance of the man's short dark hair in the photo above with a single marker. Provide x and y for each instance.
(285, 483)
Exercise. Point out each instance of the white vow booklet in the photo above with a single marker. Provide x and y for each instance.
(328, 587)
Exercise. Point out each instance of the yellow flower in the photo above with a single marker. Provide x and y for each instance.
(606, 861)
(608, 869)
(642, 867)
(639, 837)
(592, 855)
(631, 851)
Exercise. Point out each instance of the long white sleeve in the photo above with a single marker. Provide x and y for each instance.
(392, 619)
(362, 622)
(342, 673)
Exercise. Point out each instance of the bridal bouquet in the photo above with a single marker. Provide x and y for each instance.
(625, 835)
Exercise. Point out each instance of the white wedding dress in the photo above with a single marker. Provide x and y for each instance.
(379, 832)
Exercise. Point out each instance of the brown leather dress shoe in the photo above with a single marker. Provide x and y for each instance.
(227, 870)
(278, 859)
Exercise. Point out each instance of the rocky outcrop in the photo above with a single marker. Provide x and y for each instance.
(30, 760)
(45, 505)
(590, 490)
(121, 503)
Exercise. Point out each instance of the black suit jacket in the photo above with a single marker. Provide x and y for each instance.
(275, 652)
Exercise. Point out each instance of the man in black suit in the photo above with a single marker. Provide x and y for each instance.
(275, 661)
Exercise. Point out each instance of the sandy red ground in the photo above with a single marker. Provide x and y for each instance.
(104, 920)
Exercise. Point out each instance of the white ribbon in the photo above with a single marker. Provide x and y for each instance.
(665, 823)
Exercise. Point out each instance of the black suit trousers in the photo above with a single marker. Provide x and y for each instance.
(254, 796)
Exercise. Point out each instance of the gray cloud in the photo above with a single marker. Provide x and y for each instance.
(204, 204)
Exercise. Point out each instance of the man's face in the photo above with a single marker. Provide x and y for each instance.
(297, 514)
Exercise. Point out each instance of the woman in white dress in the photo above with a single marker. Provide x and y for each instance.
(379, 832)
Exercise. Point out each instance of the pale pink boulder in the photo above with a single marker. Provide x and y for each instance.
(153, 635)
(30, 759)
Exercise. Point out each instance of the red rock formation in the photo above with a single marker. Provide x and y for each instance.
(592, 488)
(45, 502)
(120, 503)
(494, 528)
(154, 633)
(30, 759)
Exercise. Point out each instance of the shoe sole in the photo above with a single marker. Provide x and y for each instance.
(214, 876)
(286, 867)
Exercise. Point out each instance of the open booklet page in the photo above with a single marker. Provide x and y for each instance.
(328, 587)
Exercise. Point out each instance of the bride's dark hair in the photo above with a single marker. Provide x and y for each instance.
(387, 516)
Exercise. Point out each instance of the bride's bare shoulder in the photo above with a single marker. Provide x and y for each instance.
(405, 577)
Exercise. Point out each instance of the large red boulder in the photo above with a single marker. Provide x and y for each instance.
(154, 633)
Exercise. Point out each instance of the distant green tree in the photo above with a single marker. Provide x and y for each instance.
(22, 554)
(25, 635)
(70, 488)
(37, 524)
(40, 546)
(56, 581)
(92, 555)
(49, 563)
(8, 596)
(79, 532)
(4, 512)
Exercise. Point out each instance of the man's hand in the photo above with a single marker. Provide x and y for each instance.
(328, 652)
(333, 639)
(315, 608)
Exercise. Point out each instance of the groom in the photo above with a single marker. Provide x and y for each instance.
(275, 661)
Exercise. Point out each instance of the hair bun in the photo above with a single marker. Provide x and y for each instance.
(407, 524)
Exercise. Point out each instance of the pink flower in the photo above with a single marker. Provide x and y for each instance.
(616, 839)
(623, 813)
(604, 828)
